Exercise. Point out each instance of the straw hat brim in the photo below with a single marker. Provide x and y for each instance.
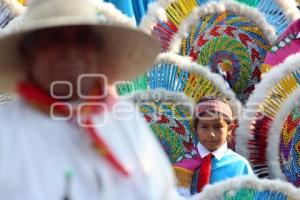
(127, 52)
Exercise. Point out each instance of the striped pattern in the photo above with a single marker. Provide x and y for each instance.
(264, 117)
(232, 46)
(171, 78)
(178, 10)
(289, 147)
(6, 13)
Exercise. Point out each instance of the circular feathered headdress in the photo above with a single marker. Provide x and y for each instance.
(170, 116)
(158, 90)
(176, 73)
(230, 37)
(249, 188)
(269, 125)
(288, 43)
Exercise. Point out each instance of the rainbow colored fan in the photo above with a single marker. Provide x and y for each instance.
(170, 117)
(284, 142)
(165, 16)
(288, 43)
(229, 37)
(8, 11)
(249, 188)
(176, 76)
(176, 73)
(268, 135)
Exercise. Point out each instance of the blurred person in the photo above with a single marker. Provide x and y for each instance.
(63, 137)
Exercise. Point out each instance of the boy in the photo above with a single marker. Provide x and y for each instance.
(211, 161)
(62, 137)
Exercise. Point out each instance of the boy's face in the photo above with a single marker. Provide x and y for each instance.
(212, 131)
(62, 54)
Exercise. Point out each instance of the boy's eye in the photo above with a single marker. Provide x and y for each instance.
(203, 126)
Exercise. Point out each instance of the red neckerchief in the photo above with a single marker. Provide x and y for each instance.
(41, 100)
(205, 172)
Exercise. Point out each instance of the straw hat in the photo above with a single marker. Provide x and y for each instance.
(127, 51)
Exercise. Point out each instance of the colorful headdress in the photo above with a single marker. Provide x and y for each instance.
(283, 145)
(166, 16)
(263, 111)
(288, 43)
(249, 188)
(230, 37)
(170, 116)
(176, 75)
(283, 148)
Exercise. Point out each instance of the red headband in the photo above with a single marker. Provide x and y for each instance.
(216, 106)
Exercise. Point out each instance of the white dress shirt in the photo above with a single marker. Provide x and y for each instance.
(218, 154)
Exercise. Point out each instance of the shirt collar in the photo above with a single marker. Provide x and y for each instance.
(218, 154)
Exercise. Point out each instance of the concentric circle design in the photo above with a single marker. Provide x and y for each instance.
(268, 136)
(171, 122)
(288, 43)
(231, 45)
(167, 16)
(205, 20)
(262, 122)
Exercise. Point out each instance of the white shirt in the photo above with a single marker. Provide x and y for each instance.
(36, 151)
(218, 154)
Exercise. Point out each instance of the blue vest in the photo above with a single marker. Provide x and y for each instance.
(229, 166)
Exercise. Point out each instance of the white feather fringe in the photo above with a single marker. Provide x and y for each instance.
(16, 7)
(186, 64)
(289, 8)
(218, 7)
(274, 134)
(216, 191)
(167, 57)
(163, 95)
(112, 13)
(155, 13)
(292, 63)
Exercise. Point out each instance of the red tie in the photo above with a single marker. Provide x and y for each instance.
(204, 173)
